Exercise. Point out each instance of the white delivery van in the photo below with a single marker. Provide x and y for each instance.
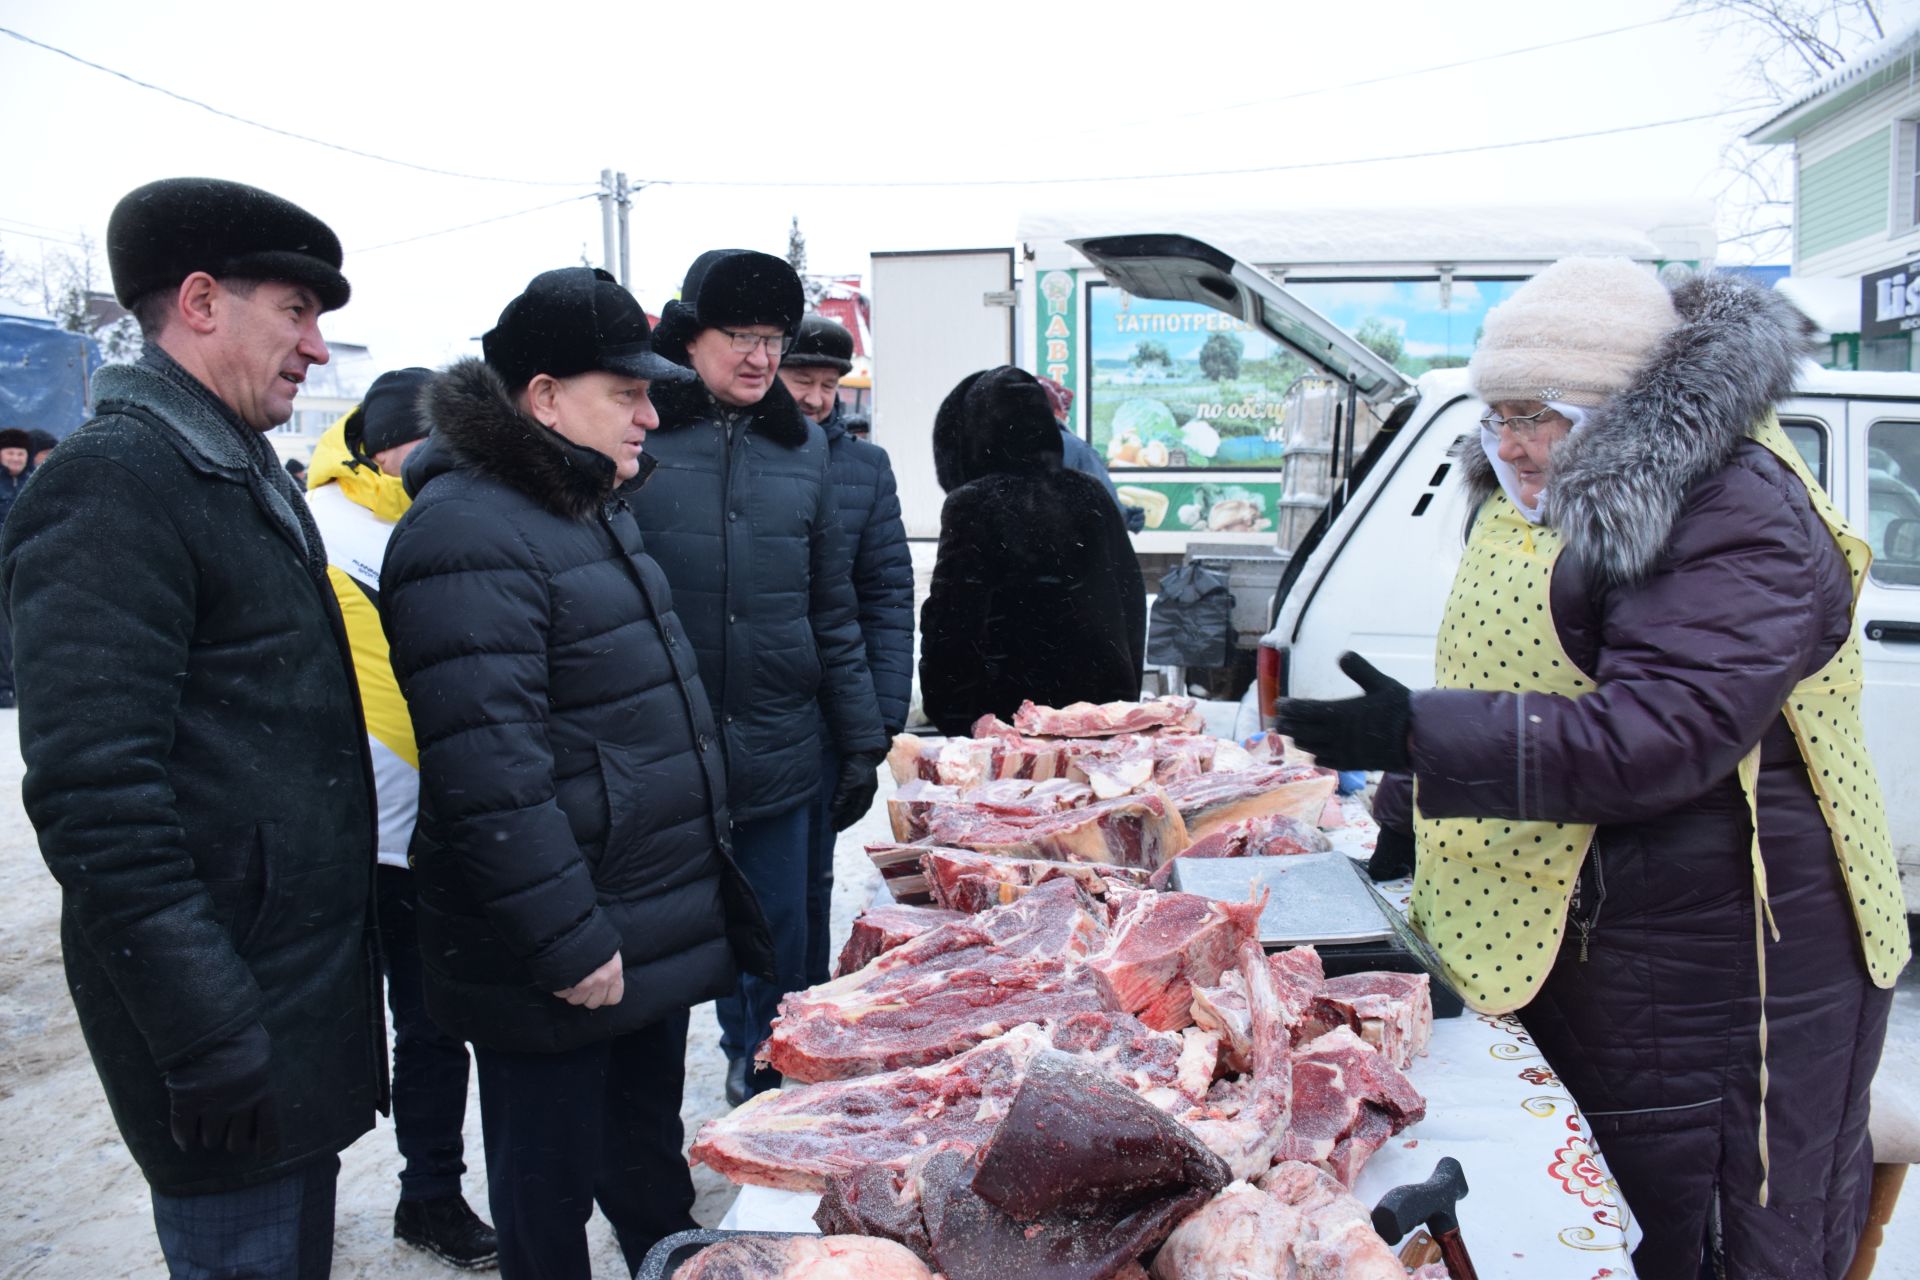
(1373, 573)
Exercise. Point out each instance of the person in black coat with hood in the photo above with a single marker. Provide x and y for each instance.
(576, 893)
(882, 580)
(1036, 591)
(743, 517)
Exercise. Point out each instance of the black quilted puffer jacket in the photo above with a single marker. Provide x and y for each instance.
(882, 566)
(572, 796)
(742, 516)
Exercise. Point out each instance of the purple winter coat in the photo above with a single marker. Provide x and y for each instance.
(1695, 628)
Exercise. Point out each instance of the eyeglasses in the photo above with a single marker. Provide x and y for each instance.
(1524, 426)
(744, 343)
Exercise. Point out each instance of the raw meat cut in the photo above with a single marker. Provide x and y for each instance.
(803, 1258)
(1337, 1240)
(798, 1138)
(880, 929)
(1272, 835)
(1241, 1234)
(952, 762)
(962, 880)
(899, 868)
(1133, 831)
(1334, 1078)
(1297, 978)
(1245, 1120)
(944, 991)
(1393, 1012)
(1163, 945)
(1172, 1070)
(1077, 1180)
(909, 806)
(1090, 720)
(1213, 800)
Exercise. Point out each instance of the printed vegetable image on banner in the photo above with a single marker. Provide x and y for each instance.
(1054, 340)
(1180, 385)
(1210, 506)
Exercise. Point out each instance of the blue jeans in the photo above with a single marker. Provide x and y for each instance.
(772, 853)
(598, 1124)
(279, 1230)
(821, 838)
(429, 1066)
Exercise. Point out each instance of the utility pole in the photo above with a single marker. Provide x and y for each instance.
(607, 259)
(620, 197)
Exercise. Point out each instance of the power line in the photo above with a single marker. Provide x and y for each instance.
(284, 133)
(1224, 173)
(446, 231)
(1225, 107)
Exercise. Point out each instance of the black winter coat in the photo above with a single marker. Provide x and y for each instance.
(197, 772)
(10, 489)
(742, 516)
(572, 797)
(1036, 590)
(882, 565)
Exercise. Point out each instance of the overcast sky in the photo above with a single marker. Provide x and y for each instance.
(736, 91)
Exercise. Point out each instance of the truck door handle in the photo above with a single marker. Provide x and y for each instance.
(1894, 632)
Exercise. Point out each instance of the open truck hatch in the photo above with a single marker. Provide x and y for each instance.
(1179, 268)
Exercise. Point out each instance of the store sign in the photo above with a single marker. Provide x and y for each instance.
(1055, 316)
(1890, 302)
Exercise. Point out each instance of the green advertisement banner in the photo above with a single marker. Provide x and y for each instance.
(1203, 506)
(1056, 344)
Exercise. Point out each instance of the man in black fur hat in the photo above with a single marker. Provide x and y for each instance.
(196, 765)
(743, 517)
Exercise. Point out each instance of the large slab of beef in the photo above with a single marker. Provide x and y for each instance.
(1213, 800)
(878, 930)
(843, 1257)
(1393, 1012)
(1078, 1180)
(1163, 945)
(1337, 1079)
(945, 991)
(966, 881)
(1133, 831)
(1244, 1120)
(909, 807)
(1271, 835)
(1102, 720)
(799, 1136)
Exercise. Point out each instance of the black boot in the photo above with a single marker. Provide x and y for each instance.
(738, 1090)
(762, 1080)
(449, 1230)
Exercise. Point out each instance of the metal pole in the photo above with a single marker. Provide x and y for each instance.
(606, 220)
(620, 198)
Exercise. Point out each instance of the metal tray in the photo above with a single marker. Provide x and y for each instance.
(665, 1257)
(1313, 897)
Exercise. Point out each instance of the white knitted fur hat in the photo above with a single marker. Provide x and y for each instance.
(1576, 333)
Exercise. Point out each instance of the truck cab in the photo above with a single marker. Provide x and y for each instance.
(1373, 573)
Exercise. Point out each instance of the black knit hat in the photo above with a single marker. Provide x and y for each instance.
(728, 288)
(389, 415)
(574, 320)
(163, 232)
(820, 344)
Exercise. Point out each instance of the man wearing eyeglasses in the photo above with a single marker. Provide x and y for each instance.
(742, 515)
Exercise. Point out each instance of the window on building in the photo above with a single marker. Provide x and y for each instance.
(1893, 502)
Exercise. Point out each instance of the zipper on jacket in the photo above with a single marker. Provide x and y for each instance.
(1586, 925)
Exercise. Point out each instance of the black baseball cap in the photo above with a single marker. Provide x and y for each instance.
(575, 320)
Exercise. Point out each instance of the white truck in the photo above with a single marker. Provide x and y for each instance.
(1372, 575)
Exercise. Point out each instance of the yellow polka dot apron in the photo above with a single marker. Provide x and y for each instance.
(1491, 894)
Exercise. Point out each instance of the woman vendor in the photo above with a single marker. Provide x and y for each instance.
(1647, 656)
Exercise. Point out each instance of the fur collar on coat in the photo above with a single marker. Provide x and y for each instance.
(476, 423)
(777, 416)
(1619, 484)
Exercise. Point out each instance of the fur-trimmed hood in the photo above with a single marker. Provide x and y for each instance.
(476, 424)
(1617, 486)
(995, 422)
(777, 416)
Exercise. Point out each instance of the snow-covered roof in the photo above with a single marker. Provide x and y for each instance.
(1891, 58)
(1831, 303)
(1427, 236)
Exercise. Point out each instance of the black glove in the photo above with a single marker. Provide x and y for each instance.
(1368, 732)
(853, 793)
(222, 1100)
(1392, 855)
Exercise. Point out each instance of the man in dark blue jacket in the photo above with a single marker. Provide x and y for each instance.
(16, 464)
(822, 354)
(743, 516)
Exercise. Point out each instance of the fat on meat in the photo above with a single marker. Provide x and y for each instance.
(1095, 720)
(803, 1258)
(966, 881)
(1297, 978)
(1213, 800)
(1393, 1012)
(1245, 1120)
(910, 805)
(944, 991)
(1141, 831)
(1337, 1240)
(954, 762)
(1163, 945)
(880, 929)
(1271, 835)
(1241, 1234)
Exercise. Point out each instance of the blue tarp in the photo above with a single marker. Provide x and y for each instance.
(44, 371)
